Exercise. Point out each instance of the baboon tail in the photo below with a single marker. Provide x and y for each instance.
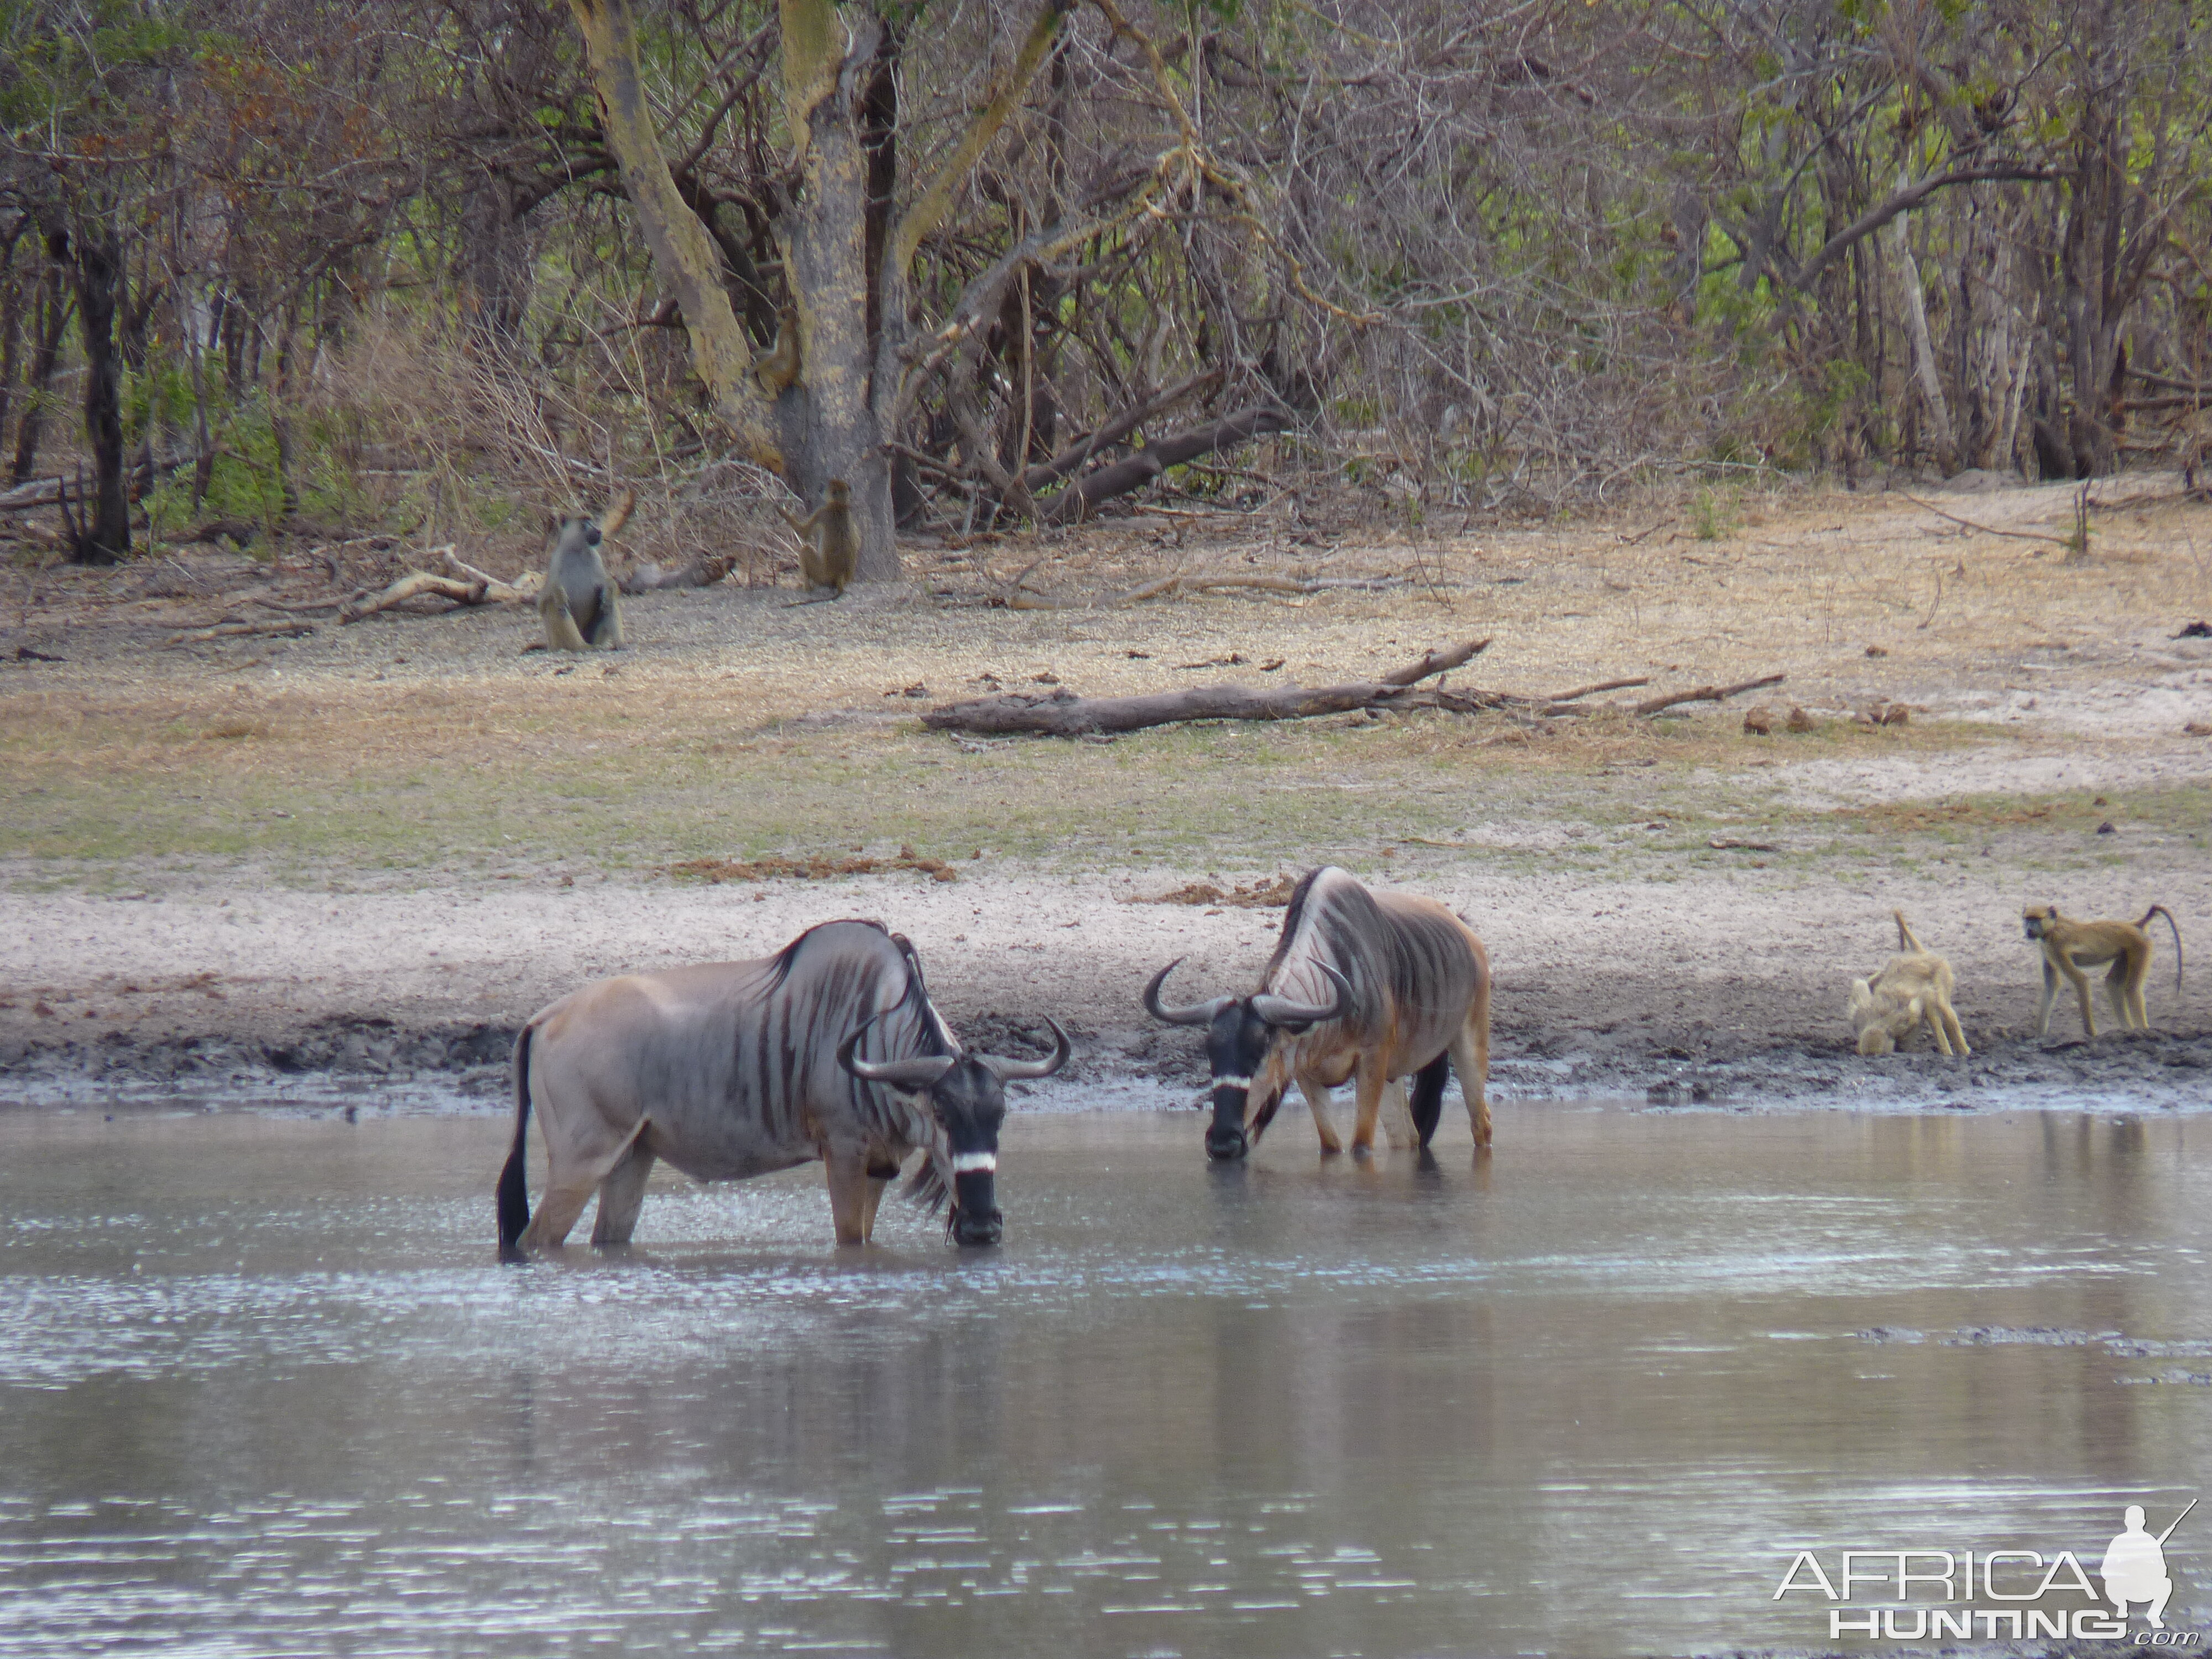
(1905, 940)
(513, 1189)
(2161, 910)
(1427, 1104)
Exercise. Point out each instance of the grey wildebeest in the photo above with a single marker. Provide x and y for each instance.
(828, 1049)
(1382, 984)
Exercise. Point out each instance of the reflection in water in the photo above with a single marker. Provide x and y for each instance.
(263, 1389)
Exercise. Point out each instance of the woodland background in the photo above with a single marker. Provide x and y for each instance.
(432, 266)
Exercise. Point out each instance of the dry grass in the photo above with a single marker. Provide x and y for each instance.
(737, 730)
(822, 866)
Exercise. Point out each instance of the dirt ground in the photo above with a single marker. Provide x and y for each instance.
(373, 851)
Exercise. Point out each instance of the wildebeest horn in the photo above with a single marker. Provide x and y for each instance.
(1280, 1011)
(1199, 1013)
(913, 1075)
(1008, 1070)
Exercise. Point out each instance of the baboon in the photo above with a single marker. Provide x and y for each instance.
(829, 543)
(776, 368)
(1914, 986)
(2069, 946)
(578, 602)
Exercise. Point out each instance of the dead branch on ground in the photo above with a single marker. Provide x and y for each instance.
(704, 571)
(1062, 714)
(523, 588)
(1706, 694)
(1984, 529)
(412, 585)
(231, 630)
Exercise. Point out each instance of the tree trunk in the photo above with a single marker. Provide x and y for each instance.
(683, 254)
(1930, 383)
(832, 432)
(845, 259)
(12, 308)
(95, 267)
(494, 263)
(52, 309)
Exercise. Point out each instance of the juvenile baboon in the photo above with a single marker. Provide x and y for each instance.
(578, 602)
(2069, 946)
(1916, 986)
(829, 543)
(776, 368)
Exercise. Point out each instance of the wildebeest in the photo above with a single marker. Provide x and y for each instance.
(830, 1049)
(1385, 985)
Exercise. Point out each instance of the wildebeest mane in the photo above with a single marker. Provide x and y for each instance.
(1382, 950)
(929, 1185)
(1293, 918)
(779, 965)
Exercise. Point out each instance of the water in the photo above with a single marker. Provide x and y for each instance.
(264, 1391)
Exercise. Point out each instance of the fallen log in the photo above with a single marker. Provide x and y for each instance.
(296, 627)
(1435, 662)
(703, 571)
(524, 589)
(414, 585)
(1060, 713)
(49, 492)
(1707, 694)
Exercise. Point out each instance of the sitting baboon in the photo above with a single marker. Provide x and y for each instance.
(1915, 986)
(579, 603)
(829, 543)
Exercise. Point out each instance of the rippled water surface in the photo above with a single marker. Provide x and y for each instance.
(264, 1390)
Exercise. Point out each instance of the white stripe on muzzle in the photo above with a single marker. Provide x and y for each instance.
(974, 1163)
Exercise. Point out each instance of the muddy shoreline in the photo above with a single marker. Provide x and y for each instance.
(1718, 990)
(465, 1066)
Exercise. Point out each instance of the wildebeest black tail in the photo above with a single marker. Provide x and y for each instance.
(1427, 1104)
(513, 1188)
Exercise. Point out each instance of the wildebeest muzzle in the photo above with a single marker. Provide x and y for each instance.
(976, 1219)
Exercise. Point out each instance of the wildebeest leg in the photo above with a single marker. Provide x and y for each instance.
(1470, 1058)
(1317, 1095)
(574, 1176)
(1372, 1084)
(557, 1212)
(880, 1176)
(848, 1193)
(1397, 1119)
(1428, 1102)
(622, 1195)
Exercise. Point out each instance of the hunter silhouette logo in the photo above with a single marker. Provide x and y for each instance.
(2133, 1567)
(1999, 1594)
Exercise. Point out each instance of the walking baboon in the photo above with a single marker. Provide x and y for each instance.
(578, 602)
(829, 544)
(2069, 946)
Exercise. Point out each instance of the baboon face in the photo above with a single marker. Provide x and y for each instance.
(2036, 918)
(838, 492)
(571, 535)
